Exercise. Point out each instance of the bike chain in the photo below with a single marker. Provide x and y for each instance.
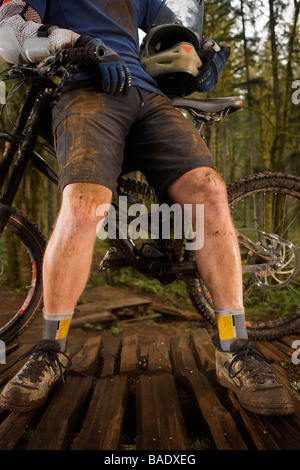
(142, 191)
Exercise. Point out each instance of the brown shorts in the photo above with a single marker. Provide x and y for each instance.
(99, 136)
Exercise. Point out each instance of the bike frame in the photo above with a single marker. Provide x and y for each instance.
(23, 138)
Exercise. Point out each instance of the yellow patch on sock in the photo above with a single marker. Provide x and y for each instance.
(63, 328)
(225, 327)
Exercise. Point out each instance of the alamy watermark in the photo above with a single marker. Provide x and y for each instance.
(296, 94)
(138, 221)
(2, 93)
(296, 354)
(2, 353)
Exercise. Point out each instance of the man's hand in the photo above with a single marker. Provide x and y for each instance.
(114, 73)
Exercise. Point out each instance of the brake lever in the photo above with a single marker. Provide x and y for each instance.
(56, 65)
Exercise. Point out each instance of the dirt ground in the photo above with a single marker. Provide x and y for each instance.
(147, 324)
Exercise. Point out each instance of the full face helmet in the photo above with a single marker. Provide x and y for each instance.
(168, 54)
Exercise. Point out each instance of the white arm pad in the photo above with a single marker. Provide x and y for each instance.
(34, 49)
(19, 42)
(10, 49)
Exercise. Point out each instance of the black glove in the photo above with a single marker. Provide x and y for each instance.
(115, 74)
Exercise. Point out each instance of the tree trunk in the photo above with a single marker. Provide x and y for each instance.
(249, 94)
(275, 161)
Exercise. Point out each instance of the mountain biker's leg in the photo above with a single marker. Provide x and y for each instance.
(68, 256)
(90, 129)
(218, 261)
(239, 367)
(69, 252)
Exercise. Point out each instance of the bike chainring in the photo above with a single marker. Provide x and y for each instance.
(151, 265)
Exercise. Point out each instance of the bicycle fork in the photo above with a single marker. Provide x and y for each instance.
(30, 116)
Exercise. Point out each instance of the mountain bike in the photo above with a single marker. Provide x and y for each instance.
(264, 208)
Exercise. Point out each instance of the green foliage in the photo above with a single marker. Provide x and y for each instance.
(245, 26)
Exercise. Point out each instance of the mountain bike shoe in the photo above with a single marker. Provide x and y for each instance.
(244, 371)
(29, 388)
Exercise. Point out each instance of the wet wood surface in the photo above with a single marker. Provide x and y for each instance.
(120, 394)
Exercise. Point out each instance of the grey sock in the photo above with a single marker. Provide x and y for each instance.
(56, 328)
(231, 326)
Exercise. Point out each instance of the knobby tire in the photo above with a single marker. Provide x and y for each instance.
(33, 242)
(239, 191)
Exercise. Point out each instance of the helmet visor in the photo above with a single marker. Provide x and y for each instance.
(189, 13)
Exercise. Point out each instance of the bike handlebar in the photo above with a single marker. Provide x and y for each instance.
(62, 64)
(81, 55)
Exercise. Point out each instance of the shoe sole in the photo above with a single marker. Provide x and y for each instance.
(17, 405)
(21, 408)
(286, 409)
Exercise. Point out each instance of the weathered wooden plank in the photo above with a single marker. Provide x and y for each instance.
(283, 430)
(56, 425)
(103, 424)
(270, 352)
(270, 432)
(94, 318)
(109, 355)
(86, 359)
(179, 314)
(160, 424)
(204, 349)
(260, 435)
(151, 316)
(134, 301)
(158, 410)
(289, 340)
(130, 356)
(12, 429)
(182, 356)
(159, 358)
(281, 374)
(221, 424)
(287, 350)
(114, 304)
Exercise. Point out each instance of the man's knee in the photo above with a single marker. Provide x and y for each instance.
(81, 201)
(201, 185)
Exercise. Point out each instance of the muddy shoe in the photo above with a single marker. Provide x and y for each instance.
(245, 371)
(29, 388)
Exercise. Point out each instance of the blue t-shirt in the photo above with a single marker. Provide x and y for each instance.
(116, 22)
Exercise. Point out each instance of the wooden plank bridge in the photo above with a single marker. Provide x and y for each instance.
(120, 394)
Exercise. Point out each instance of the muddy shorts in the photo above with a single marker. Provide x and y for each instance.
(99, 136)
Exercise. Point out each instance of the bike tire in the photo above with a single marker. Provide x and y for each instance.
(239, 193)
(20, 303)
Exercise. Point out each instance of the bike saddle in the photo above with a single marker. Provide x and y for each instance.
(209, 105)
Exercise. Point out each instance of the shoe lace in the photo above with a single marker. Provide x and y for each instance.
(51, 357)
(252, 361)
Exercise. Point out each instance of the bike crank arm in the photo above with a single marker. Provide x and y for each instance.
(183, 268)
(190, 267)
(254, 268)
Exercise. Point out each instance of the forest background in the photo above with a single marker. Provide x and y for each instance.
(263, 69)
